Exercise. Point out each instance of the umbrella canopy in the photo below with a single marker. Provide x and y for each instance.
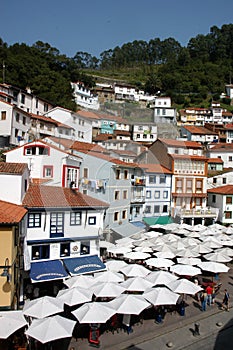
(95, 312)
(107, 289)
(161, 296)
(190, 242)
(178, 245)
(106, 244)
(75, 296)
(115, 265)
(159, 262)
(10, 322)
(217, 256)
(119, 250)
(202, 248)
(145, 243)
(108, 276)
(83, 281)
(137, 255)
(51, 328)
(184, 286)
(165, 255)
(226, 250)
(188, 261)
(163, 247)
(134, 270)
(136, 284)
(129, 304)
(187, 253)
(185, 270)
(160, 277)
(213, 266)
(43, 307)
(143, 249)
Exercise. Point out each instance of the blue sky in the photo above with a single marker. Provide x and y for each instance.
(97, 25)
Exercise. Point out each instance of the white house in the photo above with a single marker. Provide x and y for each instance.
(223, 151)
(229, 90)
(14, 181)
(163, 110)
(62, 227)
(198, 134)
(82, 127)
(222, 198)
(84, 97)
(24, 99)
(144, 132)
(14, 124)
(47, 163)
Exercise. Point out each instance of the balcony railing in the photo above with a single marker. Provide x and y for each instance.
(138, 199)
(203, 212)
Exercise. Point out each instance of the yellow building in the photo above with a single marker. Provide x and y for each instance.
(11, 216)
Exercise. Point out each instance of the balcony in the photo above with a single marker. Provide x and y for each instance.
(138, 181)
(137, 199)
(208, 212)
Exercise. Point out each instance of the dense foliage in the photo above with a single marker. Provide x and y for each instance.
(187, 74)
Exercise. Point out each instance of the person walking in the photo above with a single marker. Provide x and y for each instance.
(203, 300)
(225, 302)
(209, 291)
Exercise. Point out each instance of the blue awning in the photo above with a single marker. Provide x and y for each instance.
(84, 264)
(43, 271)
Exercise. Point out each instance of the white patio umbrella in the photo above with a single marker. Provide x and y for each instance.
(115, 265)
(184, 286)
(159, 262)
(124, 240)
(137, 255)
(187, 253)
(10, 322)
(51, 328)
(75, 296)
(190, 241)
(136, 284)
(95, 312)
(106, 244)
(170, 237)
(84, 281)
(164, 255)
(134, 270)
(226, 250)
(108, 276)
(160, 277)
(228, 230)
(144, 243)
(143, 249)
(163, 247)
(213, 266)
(218, 257)
(161, 296)
(129, 304)
(43, 307)
(189, 261)
(107, 289)
(119, 250)
(185, 270)
(178, 245)
(202, 248)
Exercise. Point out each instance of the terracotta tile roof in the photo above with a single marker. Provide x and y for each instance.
(11, 213)
(41, 196)
(183, 144)
(155, 168)
(222, 147)
(86, 147)
(187, 156)
(215, 160)
(88, 114)
(49, 120)
(227, 189)
(199, 130)
(12, 168)
(104, 137)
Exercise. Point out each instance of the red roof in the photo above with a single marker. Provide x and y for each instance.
(12, 168)
(179, 143)
(215, 160)
(155, 168)
(11, 213)
(227, 189)
(40, 196)
(199, 130)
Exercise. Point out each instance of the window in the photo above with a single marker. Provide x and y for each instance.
(125, 194)
(138, 136)
(165, 194)
(34, 220)
(148, 209)
(23, 98)
(57, 224)
(162, 179)
(116, 216)
(85, 172)
(84, 247)
(92, 220)
(24, 120)
(228, 200)
(46, 107)
(176, 151)
(228, 214)
(65, 249)
(213, 198)
(148, 194)
(75, 218)
(124, 214)
(72, 177)
(152, 179)
(179, 186)
(224, 180)
(40, 252)
(126, 174)
(156, 208)
(118, 174)
(3, 115)
(189, 186)
(199, 184)
(214, 180)
(157, 194)
(165, 208)
(48, 171)
(230, 159)
(17, 117)
(117, 195)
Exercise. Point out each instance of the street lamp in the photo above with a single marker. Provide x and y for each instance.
(5, 272)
